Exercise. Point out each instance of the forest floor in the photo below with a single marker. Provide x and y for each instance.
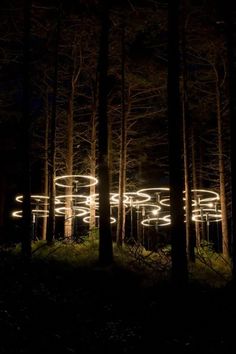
(54, 307)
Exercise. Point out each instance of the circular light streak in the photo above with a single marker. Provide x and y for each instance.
(77, 211)
(37, 212)
(205, 196)
(87, 181)
(86, 219)
(133, 198)
(163, 221)
(114, 198)
(203, 215)
(71, 196)
(37, 198)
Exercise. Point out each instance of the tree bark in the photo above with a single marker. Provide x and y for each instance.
(45, 181)
(178, 232)
(105, 236)
(92, 222)
(123, 149)
(52, 154)
(27, 228)
(223, 202)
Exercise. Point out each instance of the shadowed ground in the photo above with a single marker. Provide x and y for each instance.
(51, 307)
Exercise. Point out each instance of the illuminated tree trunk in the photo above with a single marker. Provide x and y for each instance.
(177, 229)
(105, 237)
(68, 227)
(194, 172)
(52, 152)
(92, 223)
(186, 144)
(123, 150)
(44, 227)
(231, 53)
(223, 203)
(26, 138)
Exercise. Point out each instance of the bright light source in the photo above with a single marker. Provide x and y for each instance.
(154, 211)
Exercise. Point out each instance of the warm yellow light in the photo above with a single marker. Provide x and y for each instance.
(89, 181)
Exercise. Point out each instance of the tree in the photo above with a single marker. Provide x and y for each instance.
(229, 18)
(26, 137)
(123, 148)
(178, 238)
(105, 237)
(52, 155)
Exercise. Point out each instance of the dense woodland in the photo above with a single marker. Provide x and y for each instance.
(137, 94)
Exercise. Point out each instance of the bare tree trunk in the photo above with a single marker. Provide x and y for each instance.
(123, 149)
(105, 236)
(229, 15)
(52, 156)
(68, 226)
(26, 138)
(92, 223)
(44, 227)
(194, 172)
(223, 203)
(178, 232)
(186, 145)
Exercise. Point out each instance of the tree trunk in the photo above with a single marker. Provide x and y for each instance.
(105, 237)
(194, 172)
(223, 203)
(231, 45)
(186, 144)
(92, 222)
(45, 185)
(52, 155)
(26, 139)
(68, 226)
(178, 232)
(123, 149)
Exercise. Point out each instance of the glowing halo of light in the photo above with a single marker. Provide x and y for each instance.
(164, 202)
(203, 213)
(91, 200)
(213, 195)
(72, 196)
(161, 189)
(17, 214)
(147, 205)
(93, 180)
(114, 198)
(80, 211)
(129, 195)
(37, 197)
(86, 219)
(149, 221)
(37, 212)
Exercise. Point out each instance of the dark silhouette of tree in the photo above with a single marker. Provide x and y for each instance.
(229, 12)
(52, 151)
(123, 147)
(186, 139)
(105, 237)
(26, 136)
(178, 232)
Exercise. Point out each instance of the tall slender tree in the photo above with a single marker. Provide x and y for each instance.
(186, 138)
(105, 236)
(229, 12)
(123, 146)
(52, 155)
(26, 137)
(178, 232)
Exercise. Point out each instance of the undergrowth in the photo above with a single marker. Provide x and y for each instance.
(209, 268)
